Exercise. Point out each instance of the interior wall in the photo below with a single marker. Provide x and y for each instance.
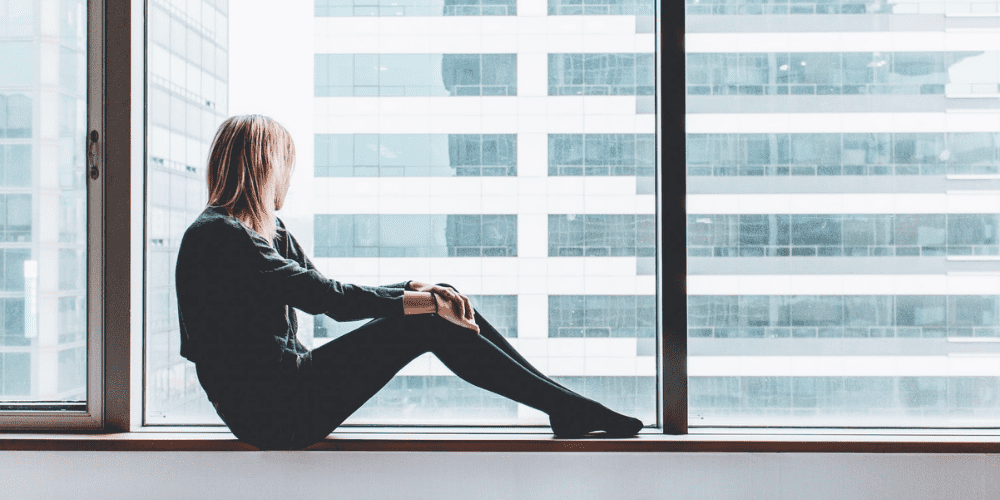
(441, 476)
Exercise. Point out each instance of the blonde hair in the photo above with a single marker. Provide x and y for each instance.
(250, 156)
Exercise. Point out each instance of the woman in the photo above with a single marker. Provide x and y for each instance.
(240, 273)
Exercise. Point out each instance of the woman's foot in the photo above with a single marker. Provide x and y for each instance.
(579, 424)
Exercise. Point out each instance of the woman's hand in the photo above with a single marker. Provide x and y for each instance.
(461, 304)
(446, 309)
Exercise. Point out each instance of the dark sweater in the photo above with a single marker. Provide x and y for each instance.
(235, 295)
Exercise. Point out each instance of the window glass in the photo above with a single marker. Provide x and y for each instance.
(601, 7)
(415, 155)
(43, 226)
(369, 8)
(840, 242)
(836, 73)
(820, 7)
(186, 59)
(415, 74)
(423, 155)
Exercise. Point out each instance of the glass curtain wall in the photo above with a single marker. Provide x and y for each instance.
(43, 202)
(842, 217)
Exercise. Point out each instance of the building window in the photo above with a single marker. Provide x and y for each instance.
(602, 74)
(602, 154)
(802, 154)
(839, 73)
(617, 235)
(368, 8)
(339, 75)
(602, 7)
(416, 155)
(475, 235)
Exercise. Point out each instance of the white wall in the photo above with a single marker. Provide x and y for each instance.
(440, 476)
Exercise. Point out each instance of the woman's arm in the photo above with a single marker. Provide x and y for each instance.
(305, 288)
(419, 303)
(297, 254)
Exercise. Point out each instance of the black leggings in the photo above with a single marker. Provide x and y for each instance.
(334, 380)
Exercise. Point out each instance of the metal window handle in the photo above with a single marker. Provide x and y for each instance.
(94, 154)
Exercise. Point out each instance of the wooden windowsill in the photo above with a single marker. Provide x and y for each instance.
(530, 440)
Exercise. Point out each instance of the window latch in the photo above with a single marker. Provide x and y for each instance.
(94, 154)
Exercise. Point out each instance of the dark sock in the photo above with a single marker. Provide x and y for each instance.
(567, 425)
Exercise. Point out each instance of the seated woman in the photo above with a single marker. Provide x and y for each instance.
(239, 275)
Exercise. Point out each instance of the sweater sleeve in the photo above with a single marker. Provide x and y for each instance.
(305, 288)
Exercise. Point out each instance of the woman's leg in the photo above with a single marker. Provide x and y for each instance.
(349, 370)
(490, 333)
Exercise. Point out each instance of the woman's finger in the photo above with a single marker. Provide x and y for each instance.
(469, 313)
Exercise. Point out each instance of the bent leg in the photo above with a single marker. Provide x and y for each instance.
(490, 333)
(346, 372)
(339, 377)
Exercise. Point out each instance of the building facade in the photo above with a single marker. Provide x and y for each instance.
(842, 221)
(494, 146)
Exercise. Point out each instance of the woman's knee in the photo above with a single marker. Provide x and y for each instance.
(449, 286)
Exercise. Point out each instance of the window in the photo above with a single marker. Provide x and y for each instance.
(425, 150)
(835, 240)
(415, 155)
(861, 298)
(348, 8)
(50, 339)
(415, 74)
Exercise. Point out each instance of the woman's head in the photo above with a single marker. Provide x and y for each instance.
(249, 170)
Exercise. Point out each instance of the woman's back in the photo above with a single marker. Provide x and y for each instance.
(226, 318)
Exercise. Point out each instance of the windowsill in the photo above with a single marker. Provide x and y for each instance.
(717, 440)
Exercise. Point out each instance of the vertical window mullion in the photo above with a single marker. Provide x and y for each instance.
(672, 234)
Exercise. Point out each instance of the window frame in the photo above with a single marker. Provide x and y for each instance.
(93, 415)
(116, 252)
(116, 205)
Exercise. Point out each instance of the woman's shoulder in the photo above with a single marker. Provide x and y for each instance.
(215, 218)
(212, 225)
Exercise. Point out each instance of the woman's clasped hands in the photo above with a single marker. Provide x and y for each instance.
(451, 305)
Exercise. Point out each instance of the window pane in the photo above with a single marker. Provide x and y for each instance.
(187, 57)
(427, 162)
(840, 258)
(43, 226)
